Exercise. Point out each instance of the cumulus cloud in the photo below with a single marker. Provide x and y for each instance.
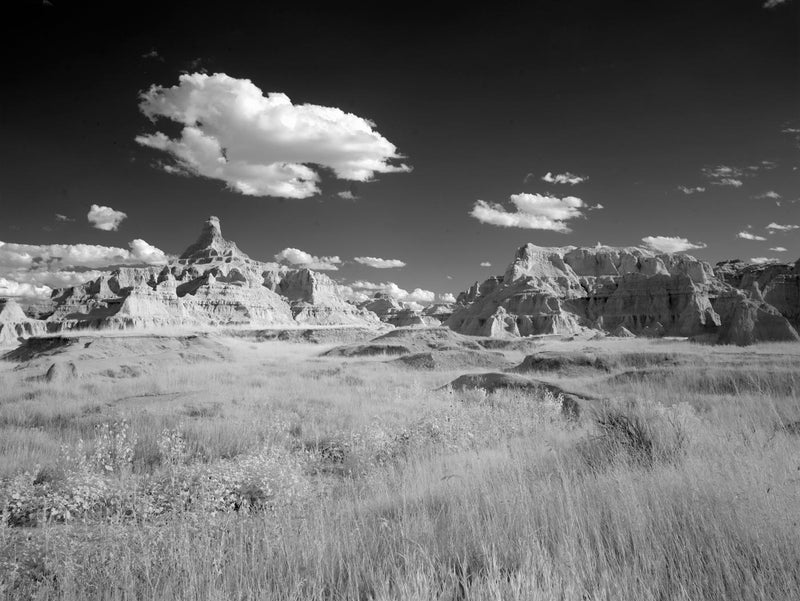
(771, 194)
(670, 244)
(379, 263)
(347, 195)
(745, 235)
(691, 190)
(564, 178)
(261, 145)
(300, 258)
(57, 256)
(34, 270)
(486, 264)
(447, 297)
(105, 218)
(778, 249)
(532, 211)
(417, 295)
(762, 260)
(782, 228)
(723, 175)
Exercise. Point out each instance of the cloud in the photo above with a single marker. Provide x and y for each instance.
(564, 178)
(670, 244)
(762, 260)
(347, 195)
(691, 190)
(447, 297)
(153, 54)
(34, 270)
(782, 228)
(391, 289)
(300, 258)
(771, 194)
(533, 211)
(745, 235)
(723, 175)
(261, 146)
(379, 263)
(59, 256)
(486, 264)
(63, 218)
(774, 3)
(778, 249)
(105, 218)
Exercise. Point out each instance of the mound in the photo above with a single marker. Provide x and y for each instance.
(447, 360)
(33, 348)
(564, 362)
(407, 341)
(343, 335)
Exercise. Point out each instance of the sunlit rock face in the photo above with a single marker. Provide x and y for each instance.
(567, 290)
(15, 325)
(212, 283)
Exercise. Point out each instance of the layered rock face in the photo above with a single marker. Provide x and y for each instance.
(212, 283)
(390, 311)
(565, 290)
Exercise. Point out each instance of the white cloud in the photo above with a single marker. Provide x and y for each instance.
(533, 211)
(729, 181)
(782, 228)
(261, 146)
(723, 175)
(391, 289)
(564, 178)
(379, 263)
(771, 194)
(447, 297)
(778, 249)
(58, 256)
(300, 258)
(762, 260)
(486, 264)
(347, 195)
(63, 218)
(22, 289)
(745, 235)
(691, 190)
(670, 244)
(774, 3)
(154, 55)
(105, 218)
(413, 306)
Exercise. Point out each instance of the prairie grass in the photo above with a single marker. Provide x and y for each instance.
(354, 480)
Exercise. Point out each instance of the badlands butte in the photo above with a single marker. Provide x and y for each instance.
(623, 292)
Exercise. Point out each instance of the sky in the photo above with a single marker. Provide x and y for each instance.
(427, 141)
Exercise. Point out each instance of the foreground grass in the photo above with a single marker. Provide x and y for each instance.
(681, 488)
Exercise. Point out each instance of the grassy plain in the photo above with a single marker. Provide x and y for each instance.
(225, 468)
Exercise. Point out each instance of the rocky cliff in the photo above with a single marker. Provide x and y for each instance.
(565, 290)
(212, 283)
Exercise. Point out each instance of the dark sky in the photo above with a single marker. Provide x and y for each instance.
(637, 95)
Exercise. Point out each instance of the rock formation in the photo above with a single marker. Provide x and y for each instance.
(390, 311)
(620, 290)
(212, 283)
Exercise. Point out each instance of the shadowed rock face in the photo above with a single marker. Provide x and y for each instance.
(565, 290)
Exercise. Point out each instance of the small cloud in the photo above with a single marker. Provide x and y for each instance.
(486, 264)
(762, 260)
(564, 178)
(691, 190)
(347, 195)
(729, 181)
(771, 194)
(724, 175)
(745, 235)
(671, 244)
(105, 218)
(63, 218)
(300, 258)
(531, 211)
(379, 263)
(447, 297)
(449, 277)
(778, 249)
(774, 3)
(782, 228)
(153, 54)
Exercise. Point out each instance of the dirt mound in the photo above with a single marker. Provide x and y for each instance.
(493, 381)
(564, 362)
(447, 360)
(407, 341)
(59, 371)
(32, 348)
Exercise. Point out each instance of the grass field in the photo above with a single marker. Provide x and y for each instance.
(243, 470)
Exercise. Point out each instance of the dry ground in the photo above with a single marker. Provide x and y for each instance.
(234, 467)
